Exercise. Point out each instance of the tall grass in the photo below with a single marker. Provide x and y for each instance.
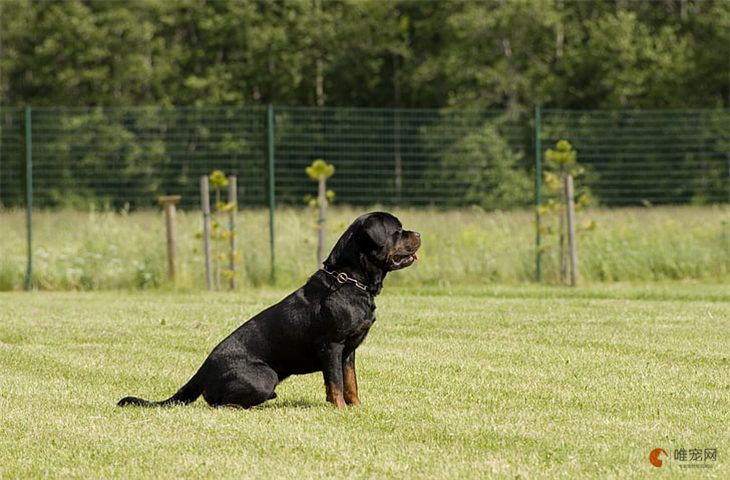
(106, 250)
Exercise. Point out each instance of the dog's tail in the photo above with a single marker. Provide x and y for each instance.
(187, 394)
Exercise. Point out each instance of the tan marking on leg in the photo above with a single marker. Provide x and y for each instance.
(350, 384)
(334, 395)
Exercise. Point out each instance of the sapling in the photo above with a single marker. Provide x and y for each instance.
(219, 233)
(563, 163)
(320, 171)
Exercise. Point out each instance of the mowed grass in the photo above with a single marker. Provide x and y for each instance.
(468, 382)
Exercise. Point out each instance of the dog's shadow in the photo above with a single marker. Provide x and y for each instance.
(289, 403)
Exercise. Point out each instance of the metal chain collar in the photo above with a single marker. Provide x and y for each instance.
(343, 278)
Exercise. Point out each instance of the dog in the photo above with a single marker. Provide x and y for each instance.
(316, 328)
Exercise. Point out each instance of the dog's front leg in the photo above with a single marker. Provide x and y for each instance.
(350, 380)
(332, 370)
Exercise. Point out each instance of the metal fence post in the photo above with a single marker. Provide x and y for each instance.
(538, 193)
(29, 194)
(272, 186)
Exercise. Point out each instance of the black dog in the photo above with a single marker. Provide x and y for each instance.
(316, 328)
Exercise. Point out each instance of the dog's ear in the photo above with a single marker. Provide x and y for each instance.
(373, 234)
(365, 235)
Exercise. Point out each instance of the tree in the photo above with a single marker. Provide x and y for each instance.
(622, 62)
(492, 54)
(404, 53)
(482, 167)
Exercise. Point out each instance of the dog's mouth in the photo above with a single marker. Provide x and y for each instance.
(399, 261)
(404, 253)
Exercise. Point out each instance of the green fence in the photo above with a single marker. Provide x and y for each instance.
(117, 157)
(648, 157)
(129, 156)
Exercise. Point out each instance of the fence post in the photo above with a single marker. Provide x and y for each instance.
(538, 193)
(233, 202)
(205, 206)
(322, 201)
(168, 202)
(29, 194)
(570, 205)
(272, 185)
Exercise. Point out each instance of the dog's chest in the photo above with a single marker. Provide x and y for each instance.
(355, 325)
(350, 317)
(364, 326)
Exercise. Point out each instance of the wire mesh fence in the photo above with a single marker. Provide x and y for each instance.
(648, 157)
(12, 148)
(127, 157)
(402, 157)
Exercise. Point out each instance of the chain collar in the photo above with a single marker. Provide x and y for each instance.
(343, 278)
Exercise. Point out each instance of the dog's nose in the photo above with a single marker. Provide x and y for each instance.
(418, 235)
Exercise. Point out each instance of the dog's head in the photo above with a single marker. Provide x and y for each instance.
(375, 242)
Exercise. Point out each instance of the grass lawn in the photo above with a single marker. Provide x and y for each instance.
(467, 382)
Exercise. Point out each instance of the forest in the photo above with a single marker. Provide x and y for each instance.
(416, 102)
(508, 54)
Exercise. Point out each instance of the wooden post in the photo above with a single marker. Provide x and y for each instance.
(322, 200)
(563, 259)
(205, 205)
(169, 202)
(215, 256)
(571, 230)
(29, 194)
(233, 202)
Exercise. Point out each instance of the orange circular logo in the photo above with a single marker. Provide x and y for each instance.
(654, 456)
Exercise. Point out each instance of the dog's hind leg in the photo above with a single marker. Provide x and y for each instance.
(251, 389)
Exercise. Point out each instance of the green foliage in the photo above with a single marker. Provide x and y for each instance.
(563, 155)
(319, 169)
(633, 63)
(218, 179)
(313, 201)
(221, 235)
(471, 54)
(561, 162)
(483, 165)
